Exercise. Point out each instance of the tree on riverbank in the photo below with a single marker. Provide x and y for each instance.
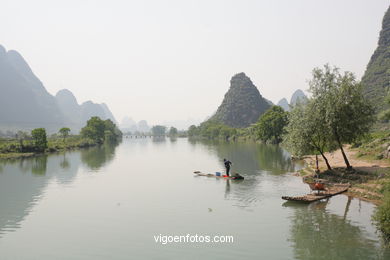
(271, 124)
(64, 132)
(212, 130)
(346, 114)
(99, 130)
(305, 133)
(40, 139)
(159, 130)
(173, 131)
(336, 114)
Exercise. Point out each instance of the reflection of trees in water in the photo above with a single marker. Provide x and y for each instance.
(64, 164)
(173, 139)
(251, 157)
(317, 234)
(39, 165)
(158, 139)
(24, 180)
(98, 156)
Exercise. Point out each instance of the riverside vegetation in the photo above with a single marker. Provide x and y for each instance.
(96, 132)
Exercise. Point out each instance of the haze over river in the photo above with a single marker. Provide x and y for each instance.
(111, 202)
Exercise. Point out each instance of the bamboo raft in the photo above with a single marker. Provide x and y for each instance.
(328, 192)
(233, 177)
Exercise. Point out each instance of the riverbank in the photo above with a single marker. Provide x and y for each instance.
(13, 149)
(368, 177)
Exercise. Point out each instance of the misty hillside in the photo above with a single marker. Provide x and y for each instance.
(77, 115)
(242, 104)
(25, 103)
(376, 79)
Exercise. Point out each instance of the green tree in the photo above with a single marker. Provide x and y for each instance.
(21, 136)
(40, 139)
(173, 131)
(192, 130)
(347, 115)
(100, 130)
(305, 133)
(271, 124)
(94, 130)
(158, 130)
(64, 132)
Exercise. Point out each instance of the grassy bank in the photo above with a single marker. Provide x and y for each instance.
(16, 148)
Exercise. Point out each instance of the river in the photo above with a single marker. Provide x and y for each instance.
(113, 202)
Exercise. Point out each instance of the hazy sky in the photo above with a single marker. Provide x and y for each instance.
(169, 60)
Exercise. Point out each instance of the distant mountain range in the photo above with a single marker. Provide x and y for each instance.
(242, 104)
(297, 97)
(129, 125)
(25, 103)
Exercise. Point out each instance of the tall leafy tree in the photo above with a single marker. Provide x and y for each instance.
(40, 139)
(21, 136)
(64, 132)
(94, 130)
(270, 126)
(173, 131)
(347, 115)
(158, 130)
(305, 133)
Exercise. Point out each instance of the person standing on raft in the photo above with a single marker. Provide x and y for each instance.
(227, 166)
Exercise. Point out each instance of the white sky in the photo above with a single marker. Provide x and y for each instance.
(173, 60)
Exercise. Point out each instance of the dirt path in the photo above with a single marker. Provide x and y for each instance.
(336, 160)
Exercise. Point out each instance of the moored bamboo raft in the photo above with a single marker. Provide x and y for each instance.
(329, 192)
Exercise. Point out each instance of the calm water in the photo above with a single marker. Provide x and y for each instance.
(110, 202)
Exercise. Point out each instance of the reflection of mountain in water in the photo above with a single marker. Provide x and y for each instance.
(23, 181)
(318, 234)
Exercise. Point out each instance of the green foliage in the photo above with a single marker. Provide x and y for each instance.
(192, 130)
(347, 115)
(64, 132)
(385, 114)
(382, 216)
(376, 81)
(99, 130)
(305, 133)
(271, 124)
(211, 130)
(21, 136)
(173, 131)
(158, 130)
(40, 139)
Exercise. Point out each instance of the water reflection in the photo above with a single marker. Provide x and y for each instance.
(159, 139)
(318, 234)
(24, 180)
(97, 157)
(249, 158)
(39, 165)
(173, 139)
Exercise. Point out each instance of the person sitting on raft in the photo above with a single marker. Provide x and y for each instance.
(227, 166)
